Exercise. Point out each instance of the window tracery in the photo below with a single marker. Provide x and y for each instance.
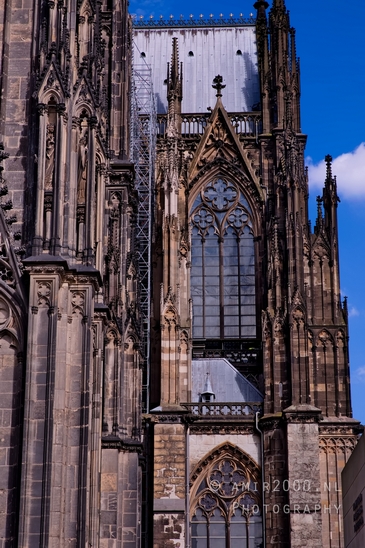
(226, 508)
(223, 263)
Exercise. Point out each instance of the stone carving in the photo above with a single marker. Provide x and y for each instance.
(219, 145)
(336, 445)
(112, 334)
(6, 272)
(228, 430)
(298, 317)
(224, 476)
(239, 219)
(82, 168)
(216, 197)
(78, 302)
(325, 338)
(220, 194)
(340, 339)
(170, 317)
(5, 314)
(184, 338)
(50, 157)
(232, 410)
(203, 219)
(44, 294)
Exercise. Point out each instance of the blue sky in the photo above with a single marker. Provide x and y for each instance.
(331, 48)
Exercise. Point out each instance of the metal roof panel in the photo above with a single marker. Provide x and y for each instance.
(214, 52)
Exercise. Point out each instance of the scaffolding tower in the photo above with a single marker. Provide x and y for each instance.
(143, 151)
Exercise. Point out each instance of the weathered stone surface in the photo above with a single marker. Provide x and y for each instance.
(82, 465)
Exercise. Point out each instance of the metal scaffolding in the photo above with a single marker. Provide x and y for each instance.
(143, 150)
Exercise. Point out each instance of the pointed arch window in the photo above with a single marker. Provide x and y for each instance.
(226, 506)
(223, 263)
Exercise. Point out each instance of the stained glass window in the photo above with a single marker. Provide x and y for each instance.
(223, 264)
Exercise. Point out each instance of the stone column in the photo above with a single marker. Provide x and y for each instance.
(169, 482)
(304, 482)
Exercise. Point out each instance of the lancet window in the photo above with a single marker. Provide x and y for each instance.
(223, 263)
(226, 508)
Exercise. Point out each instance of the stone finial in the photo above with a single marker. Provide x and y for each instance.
(218, 85)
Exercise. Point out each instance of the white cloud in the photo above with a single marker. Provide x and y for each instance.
(349, 169)
(353, 312)
(360, 374)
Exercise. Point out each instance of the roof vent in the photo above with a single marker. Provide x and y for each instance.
(191, 54)
(143, 54)
(238, 52)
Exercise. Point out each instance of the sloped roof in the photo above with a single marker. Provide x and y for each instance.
(204, 52)
(226, 382)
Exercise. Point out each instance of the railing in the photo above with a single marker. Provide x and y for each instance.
(240, 357)
(213, 409)
(247, 124)
(201, 21)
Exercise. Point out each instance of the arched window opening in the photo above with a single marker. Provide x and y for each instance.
(226, 508)
(223, 264)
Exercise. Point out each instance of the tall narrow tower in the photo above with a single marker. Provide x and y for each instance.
(245, 296)
(70, 332)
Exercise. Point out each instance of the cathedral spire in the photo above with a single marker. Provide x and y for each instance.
(174, 80)
(284, 68)
(174, 91)
(264, 63)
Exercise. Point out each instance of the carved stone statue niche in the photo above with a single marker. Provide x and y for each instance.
(49, 171)
(82, 177)
(50, 157)
(82, 167)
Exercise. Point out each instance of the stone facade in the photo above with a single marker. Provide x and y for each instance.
(102, 442)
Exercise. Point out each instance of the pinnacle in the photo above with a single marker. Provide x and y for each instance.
(261, 6)
(328, 160)
(319, 208)
(279, 4)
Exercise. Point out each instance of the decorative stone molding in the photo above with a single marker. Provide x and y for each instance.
(78, 302)
(229, 410)
(335, 445)
(302, 414)
(227, 449)
(44, 290)
(229, 429)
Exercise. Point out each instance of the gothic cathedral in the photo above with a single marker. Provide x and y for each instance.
(174, 349)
